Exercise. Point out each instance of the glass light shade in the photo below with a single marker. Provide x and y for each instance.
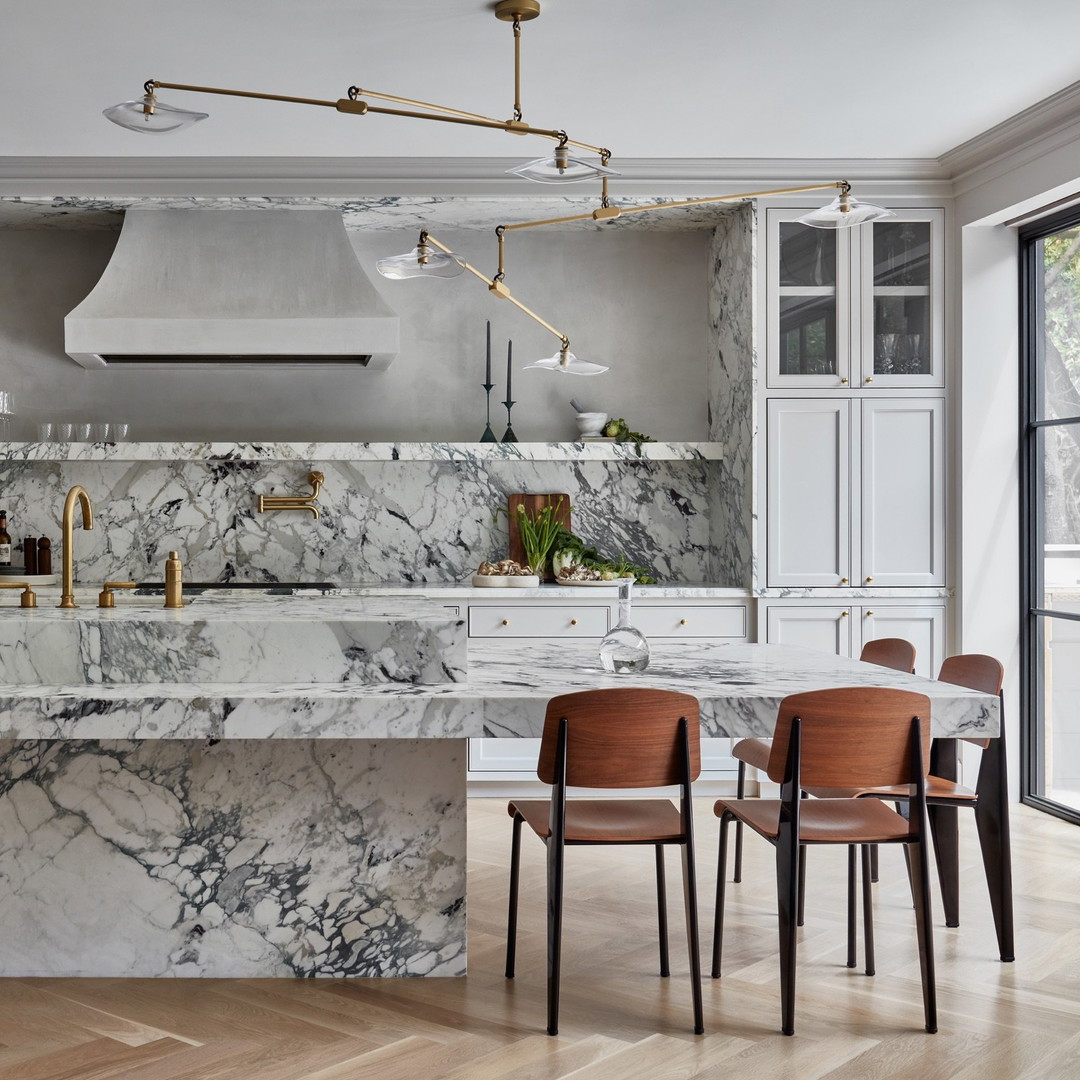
(420, 262)
(843, 212)
(568, 365)
(547, 170)
(133, 116)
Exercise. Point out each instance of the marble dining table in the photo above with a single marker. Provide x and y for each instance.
(312, 829)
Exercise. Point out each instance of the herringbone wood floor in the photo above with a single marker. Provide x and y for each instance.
(619, 1020)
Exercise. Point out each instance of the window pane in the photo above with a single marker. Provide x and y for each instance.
(807, 335)
(807, 255)
(1059, 643)
(1059, 450)
(1059, 394)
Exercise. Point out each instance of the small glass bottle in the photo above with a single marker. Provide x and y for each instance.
(5, 540)
(624, 648)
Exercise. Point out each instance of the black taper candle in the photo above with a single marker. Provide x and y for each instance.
(509, 360)
(487, 377)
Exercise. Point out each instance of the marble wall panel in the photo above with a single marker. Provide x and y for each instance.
(233, 858)
(435, 521)
(732, 382)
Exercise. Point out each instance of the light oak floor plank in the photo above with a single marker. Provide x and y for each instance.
(619, 1020)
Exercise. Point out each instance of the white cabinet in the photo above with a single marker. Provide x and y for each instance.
(507, 766)
(855, 492)
(855, 307)
(845, 628)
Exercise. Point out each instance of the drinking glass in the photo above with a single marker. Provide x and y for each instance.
(624, 649)
(46, 431)
(65, 432)
(82, 432)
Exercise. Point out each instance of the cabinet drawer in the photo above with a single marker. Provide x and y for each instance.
(690, 622)
(528, 621)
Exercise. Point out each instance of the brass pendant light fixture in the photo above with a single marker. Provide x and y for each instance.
(430, 258)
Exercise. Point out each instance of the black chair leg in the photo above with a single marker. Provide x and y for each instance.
(924, 925)
(874, 863)
(740, 793)
(801, 919)
(718, 911)
(992, 820)
(788, 852)
(661, 910)
(512, 915)
(555, 857)
(944, 830)
(693, 937)
(868, 905)
(851, 905)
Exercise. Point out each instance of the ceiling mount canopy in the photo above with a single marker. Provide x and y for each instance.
(571, 161)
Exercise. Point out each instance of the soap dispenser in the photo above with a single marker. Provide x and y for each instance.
(174, 581)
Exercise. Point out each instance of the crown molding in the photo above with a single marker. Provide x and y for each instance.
(343, 177)
(1024, 137)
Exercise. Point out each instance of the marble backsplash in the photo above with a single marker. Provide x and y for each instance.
(380, 520)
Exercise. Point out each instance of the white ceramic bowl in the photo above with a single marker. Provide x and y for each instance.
(591, 424)
(517, 581)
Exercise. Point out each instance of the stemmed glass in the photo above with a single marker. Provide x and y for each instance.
(7, 411)
(624, 648)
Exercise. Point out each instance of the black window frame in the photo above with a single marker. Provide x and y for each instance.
(1031, 504)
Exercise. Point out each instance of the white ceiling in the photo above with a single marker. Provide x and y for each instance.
(648, 78)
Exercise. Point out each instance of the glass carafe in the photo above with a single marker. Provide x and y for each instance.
(624, 648)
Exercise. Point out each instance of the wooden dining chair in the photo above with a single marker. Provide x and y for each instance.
(895, 653)
(944, 796)
(838, 738)
(619, 738)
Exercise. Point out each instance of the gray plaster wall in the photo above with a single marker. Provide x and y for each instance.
(635, 300)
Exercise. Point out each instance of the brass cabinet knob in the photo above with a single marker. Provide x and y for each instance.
(682, 622)
(868, 580)
(869, 614)
(844, 614)
(843, 381)
(843, 581)
(869, 378)
(573, 622)
(506, 622)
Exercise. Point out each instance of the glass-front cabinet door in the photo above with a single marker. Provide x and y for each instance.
(858, 307)
(809, 290)
(901, 270)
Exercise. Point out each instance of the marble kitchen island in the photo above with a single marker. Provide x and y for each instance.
(305, 829)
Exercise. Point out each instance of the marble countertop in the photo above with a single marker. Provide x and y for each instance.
(503, 694)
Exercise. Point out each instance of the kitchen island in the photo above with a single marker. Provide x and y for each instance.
(306, 829)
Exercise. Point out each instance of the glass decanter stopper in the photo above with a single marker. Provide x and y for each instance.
(624, 648)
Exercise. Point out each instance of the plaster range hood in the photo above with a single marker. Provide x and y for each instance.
(217, 288)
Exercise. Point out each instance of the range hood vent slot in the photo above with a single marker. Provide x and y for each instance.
(201, 288)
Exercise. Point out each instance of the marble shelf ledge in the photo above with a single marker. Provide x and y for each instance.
(361, 451)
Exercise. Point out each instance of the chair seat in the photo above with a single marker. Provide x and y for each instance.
(822, 821)
(753, 752)
(597, 821)
(938, 790)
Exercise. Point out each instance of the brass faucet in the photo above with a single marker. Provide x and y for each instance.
(76, 494)
(295, 502)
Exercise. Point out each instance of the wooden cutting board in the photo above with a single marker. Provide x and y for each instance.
(533, 504)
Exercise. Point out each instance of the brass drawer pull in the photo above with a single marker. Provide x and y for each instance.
(573, 622)
(844, 614)
(843, 581)
(506, 622)
(682, 622)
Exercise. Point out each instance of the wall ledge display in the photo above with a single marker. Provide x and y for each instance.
(362, 451)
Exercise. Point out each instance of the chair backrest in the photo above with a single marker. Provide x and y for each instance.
(890, 652)
(852, 736)
(976, 671)
(621, 738)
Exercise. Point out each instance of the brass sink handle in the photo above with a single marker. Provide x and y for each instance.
(295, 502)
(105, 597)
(28, 598)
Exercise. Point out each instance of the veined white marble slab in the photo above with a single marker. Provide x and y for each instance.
(361, 451)
(384, 639)
(504, 695)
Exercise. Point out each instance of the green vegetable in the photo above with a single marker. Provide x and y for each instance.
(619, 430)
(573, 549)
